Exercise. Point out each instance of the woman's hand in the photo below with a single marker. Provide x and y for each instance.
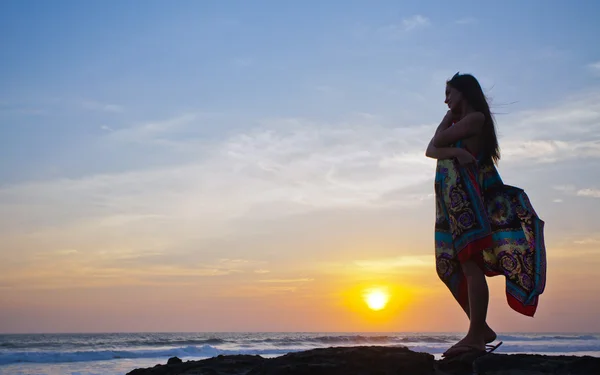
(464, 157)
(451, 117)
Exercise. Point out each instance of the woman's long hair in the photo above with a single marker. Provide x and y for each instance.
(471, 90)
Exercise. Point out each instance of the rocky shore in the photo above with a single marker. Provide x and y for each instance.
(377, 360)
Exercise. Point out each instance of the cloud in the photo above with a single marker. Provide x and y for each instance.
(385, 265)
(415, 22)
(565, 188)
(587, 241)
(11, 108)
(102, 107)
(407, 25)
(540, 135)
(154, 132)
(550, 151)
(595, 68)
(466, 21)
(242, 62)
(118, 266)
(592, 193)
(329, 91)
(572, 190)
(164, 219)
(286, 281)
(274, 168)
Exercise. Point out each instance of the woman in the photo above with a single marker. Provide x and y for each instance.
(483, 227)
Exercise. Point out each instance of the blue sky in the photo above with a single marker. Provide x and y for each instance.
(145, 134)
(141, 61)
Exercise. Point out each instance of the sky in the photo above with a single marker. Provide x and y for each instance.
(256, 166)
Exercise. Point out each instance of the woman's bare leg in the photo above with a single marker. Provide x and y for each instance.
(489, 334)
(478, 303)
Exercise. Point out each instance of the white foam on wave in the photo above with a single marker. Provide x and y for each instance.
(207, 351)
(55, 349)
(204, 351)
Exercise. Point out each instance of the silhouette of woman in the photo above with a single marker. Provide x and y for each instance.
(483, 227)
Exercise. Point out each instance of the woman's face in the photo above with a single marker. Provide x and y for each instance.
(453, 99)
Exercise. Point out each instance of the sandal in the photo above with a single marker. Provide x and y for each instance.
(491, 348)
(471, 353)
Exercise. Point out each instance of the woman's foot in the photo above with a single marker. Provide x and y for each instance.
(489, 335)
(468, 344)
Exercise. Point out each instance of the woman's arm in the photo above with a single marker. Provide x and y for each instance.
(462, 156)
(441, 152)
(467, 127)
(445, 123)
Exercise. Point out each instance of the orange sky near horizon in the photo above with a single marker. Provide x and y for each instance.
(211, 167)
(321, 293)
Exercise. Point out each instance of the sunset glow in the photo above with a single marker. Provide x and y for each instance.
(376, 299)
(236, 166)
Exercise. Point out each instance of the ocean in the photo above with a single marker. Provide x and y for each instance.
(119, 353)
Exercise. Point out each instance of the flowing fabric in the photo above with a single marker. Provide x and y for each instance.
(480, 218)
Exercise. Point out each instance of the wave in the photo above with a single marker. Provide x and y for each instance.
(278, 341)
(207, 351)
(204, 351)
(548, 338)
(112, 343)
(102, 347)
(353, 339)
(400, 339)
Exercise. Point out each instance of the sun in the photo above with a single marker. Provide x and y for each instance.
(376, 298)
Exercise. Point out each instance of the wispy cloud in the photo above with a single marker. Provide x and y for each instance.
(286, 281)
(595, 68)
(573, 190)
(466, 21)
(271, 171)
(154, 131)
(279, 169)
(415, 22)
(395, 264)
(242, 62)
(540, 135)
(120, 266)
(11, 108)
(407, 25)
(592, 193)
(588, 241)
(565, 188)
(93, 105)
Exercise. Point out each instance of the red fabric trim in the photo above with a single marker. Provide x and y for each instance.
(474, 250)
(528, 310)
(515, 304)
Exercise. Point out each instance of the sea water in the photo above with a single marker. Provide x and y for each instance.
(119, 353)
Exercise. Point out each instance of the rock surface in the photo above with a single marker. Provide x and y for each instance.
(376, 360)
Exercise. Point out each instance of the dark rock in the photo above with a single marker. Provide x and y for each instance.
(377, 360)
(229, 365)
(174, 361)
(367, 360)
(529, 364)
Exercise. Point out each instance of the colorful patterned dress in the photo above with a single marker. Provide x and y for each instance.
(480, 218)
